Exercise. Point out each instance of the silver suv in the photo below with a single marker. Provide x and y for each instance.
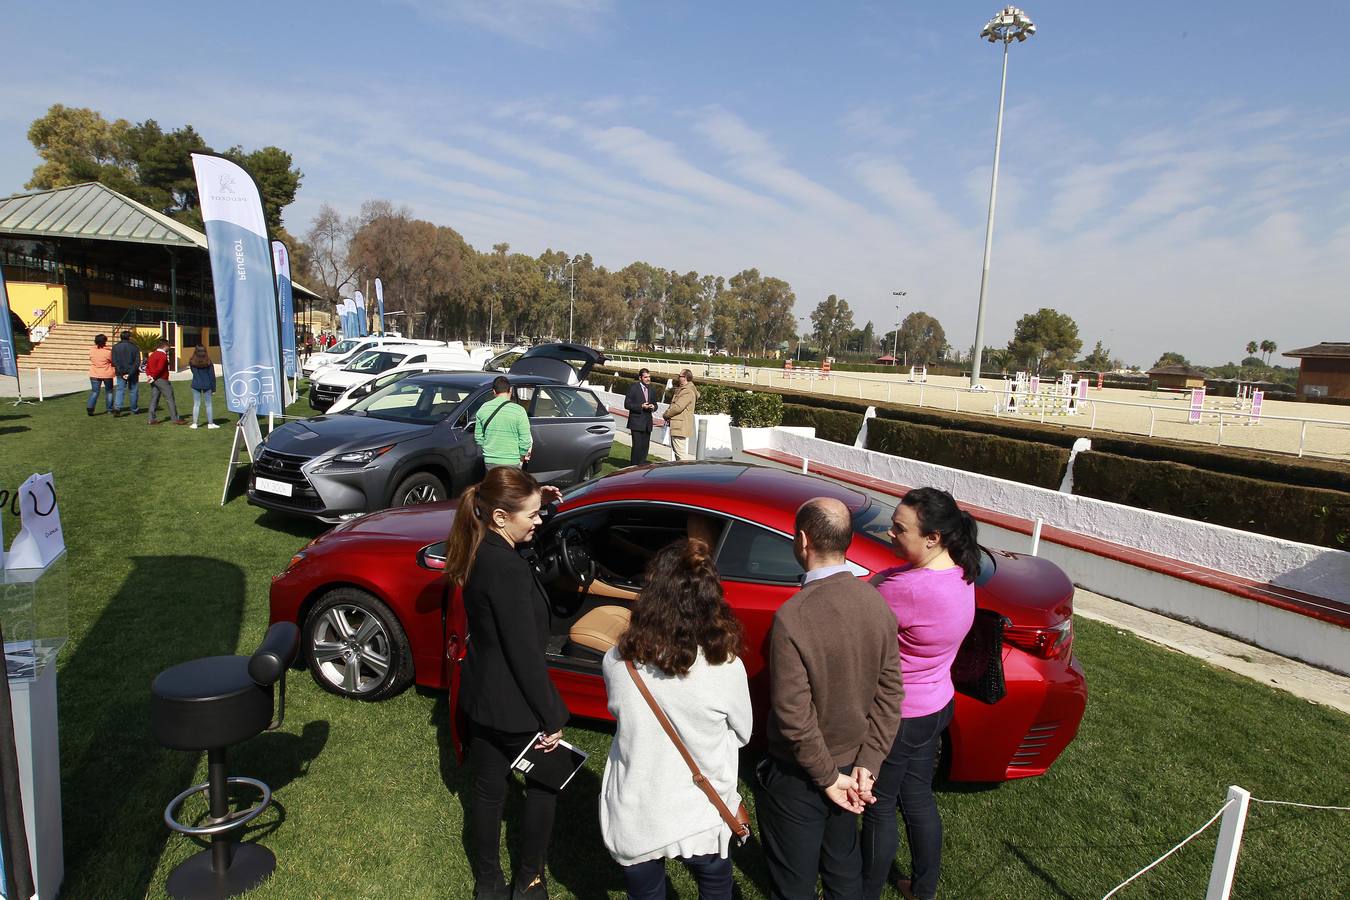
(412, 441)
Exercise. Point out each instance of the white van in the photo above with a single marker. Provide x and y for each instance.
(335, 382)
(345, 351)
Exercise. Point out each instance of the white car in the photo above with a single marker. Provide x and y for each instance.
(481, 359)
(346, 350)
(333, 382)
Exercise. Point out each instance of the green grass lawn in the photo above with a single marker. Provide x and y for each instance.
(368, 796)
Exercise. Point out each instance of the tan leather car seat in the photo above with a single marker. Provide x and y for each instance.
(600, 628)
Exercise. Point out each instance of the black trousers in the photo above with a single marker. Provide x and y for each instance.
(491, 753)
(805, 833)
(641, 439)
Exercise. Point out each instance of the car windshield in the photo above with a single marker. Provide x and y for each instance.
(874, 520)
(372, 362)
(342, 347)
(412, 400)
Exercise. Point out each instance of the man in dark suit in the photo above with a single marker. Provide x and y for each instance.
(640, 404)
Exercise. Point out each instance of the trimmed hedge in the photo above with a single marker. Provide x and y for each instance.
(1305, 500)
(1040, 464)
(830, 424)
(1293, 512)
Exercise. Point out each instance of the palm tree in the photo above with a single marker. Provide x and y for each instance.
(1267, 347)
(1251, 348)
(1270, 358)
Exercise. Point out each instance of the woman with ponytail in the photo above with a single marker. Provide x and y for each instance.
(933, 597)
(506, 693)
(685, 644)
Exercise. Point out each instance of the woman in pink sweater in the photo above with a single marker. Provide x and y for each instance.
(933, 598)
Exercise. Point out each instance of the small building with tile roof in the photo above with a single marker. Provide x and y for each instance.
(1324, 370)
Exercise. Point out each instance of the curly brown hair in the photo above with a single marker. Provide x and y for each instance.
(680, 611)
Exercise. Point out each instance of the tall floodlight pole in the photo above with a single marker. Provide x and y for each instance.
(895, 344)
(571, 296)
(1010, 25)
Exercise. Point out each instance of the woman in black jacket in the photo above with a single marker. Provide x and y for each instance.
(506, 691)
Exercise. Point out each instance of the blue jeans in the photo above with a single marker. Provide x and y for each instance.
(907, 776)
(712, 874)
(107, 384)
(121, 391)
(200, 398)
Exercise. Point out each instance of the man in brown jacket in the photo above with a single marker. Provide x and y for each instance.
(680, 415)
(835, 691)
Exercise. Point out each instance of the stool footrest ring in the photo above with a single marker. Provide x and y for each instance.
(230, 822)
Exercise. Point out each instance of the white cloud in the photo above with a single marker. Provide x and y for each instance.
(529, 21)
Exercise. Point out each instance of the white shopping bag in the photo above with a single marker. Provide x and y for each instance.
(40, 539)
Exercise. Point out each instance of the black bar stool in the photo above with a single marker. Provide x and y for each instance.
(212, 704)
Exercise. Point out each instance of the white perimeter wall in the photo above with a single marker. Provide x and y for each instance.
(1320, 571)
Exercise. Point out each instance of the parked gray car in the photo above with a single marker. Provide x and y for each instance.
(412, 441)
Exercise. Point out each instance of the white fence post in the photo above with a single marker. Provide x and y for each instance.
(1036, 536)
(1230, 841)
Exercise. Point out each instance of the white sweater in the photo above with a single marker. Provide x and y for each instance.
(649, 805)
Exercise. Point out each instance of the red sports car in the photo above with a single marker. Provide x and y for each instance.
(376, 615)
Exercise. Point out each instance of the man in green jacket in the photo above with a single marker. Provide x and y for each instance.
(502, 428)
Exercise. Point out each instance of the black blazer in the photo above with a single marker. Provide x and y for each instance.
(639, 419)
(505, 678)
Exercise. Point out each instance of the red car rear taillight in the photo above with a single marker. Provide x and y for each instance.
(1049, 642)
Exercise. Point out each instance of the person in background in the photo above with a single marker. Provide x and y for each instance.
(640, 404)
(157, 370)
(686, 644)
(506, 694)
(203, 385)
(502, 428)
(680, 415)
(100, 373)
(933, 598)
(834, 692)
(126, 358)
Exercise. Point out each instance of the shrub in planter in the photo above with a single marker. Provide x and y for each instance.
(713, 399)
(756, 410)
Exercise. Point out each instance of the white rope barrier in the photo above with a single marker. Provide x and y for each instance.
(1221, 876)
(1195, 834)
(1300, 805)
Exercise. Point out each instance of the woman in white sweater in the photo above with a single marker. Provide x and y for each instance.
(686, 643)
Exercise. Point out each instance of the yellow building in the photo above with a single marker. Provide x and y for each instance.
(86, 259)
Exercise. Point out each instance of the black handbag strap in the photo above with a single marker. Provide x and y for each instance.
(494, 414)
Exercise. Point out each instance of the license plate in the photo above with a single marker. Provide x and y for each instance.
(272, 487)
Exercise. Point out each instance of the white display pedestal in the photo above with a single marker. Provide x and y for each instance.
(33, 610)
(36, 740)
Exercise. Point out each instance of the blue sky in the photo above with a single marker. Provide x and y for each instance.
(1175, 176)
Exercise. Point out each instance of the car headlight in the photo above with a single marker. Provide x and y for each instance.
(354, 458)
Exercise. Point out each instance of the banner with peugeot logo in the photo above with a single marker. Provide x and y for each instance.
(281, 262)
(245, 285)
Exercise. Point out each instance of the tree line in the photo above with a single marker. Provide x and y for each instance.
(438, 285)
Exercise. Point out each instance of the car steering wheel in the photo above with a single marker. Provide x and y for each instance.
(576, 556)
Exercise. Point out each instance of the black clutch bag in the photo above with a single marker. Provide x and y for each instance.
(977, 670)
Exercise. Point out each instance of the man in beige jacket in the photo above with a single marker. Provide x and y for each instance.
(680, 415)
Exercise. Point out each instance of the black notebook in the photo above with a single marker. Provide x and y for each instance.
(553, 769)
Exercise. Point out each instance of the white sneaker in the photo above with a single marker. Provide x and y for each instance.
(193, 425)
(212, 425)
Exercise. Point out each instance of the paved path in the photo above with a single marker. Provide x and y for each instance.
(58, 384)
(1301, 680)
